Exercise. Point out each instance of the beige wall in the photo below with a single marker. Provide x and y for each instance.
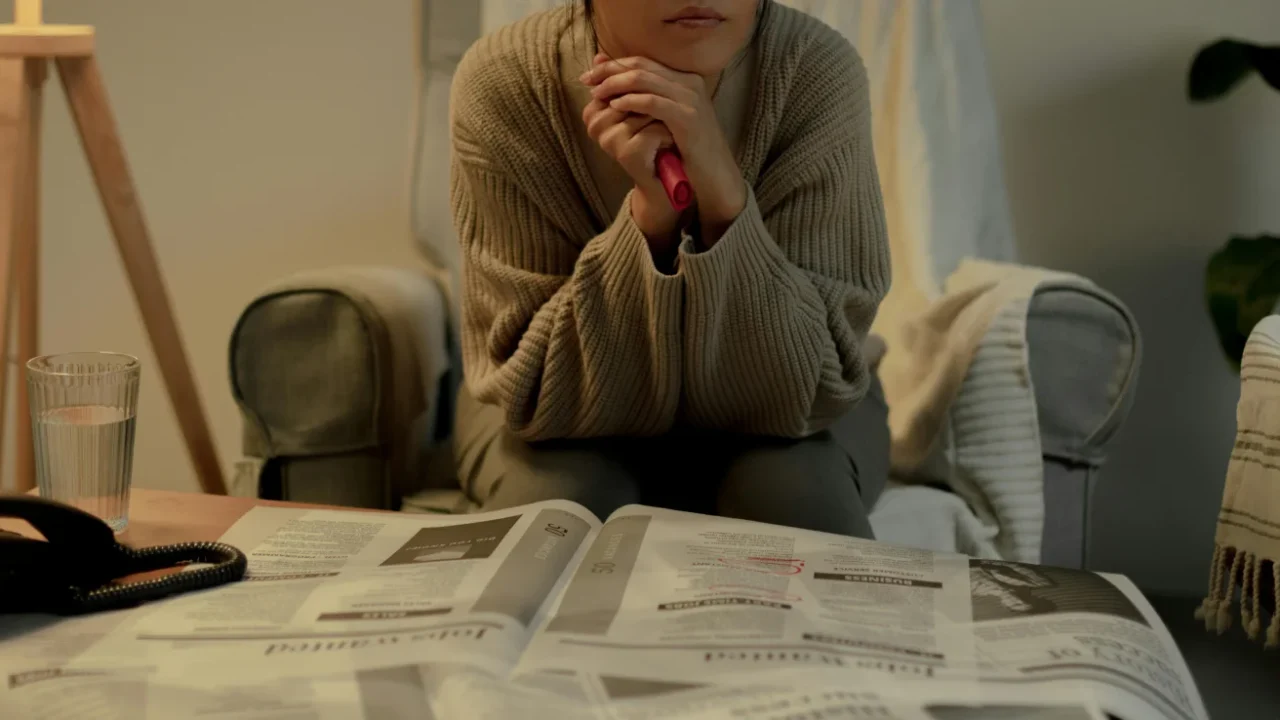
(1114, 175)
(265, 137)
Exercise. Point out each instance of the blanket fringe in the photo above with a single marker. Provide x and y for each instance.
(1232, 571)
(1208, 610)
(1273, 632)
(1250, 597)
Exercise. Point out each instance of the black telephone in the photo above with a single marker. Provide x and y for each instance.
(72, 569)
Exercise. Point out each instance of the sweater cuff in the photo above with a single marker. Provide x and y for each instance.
(629, 255)
(745, 249)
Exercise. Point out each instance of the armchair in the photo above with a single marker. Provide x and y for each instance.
(346, 377)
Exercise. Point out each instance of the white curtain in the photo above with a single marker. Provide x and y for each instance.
(936, 136)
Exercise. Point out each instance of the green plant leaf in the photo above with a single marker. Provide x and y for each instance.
(1266, 60)
(1219, 67)
(1267, 287)
(1242, 286)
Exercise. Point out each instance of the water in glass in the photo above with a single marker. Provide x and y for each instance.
(84, 457)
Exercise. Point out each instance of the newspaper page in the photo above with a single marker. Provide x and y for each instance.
(35, 680)
(444, 691)
(1034, 623)
(786, 695)
(329, 593)
(675, 595)
(667, 596)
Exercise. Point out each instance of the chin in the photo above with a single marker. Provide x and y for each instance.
(699, 61)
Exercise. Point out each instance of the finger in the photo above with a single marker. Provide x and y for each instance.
(605, 67)
(688, 80)
(642, 82)
(659, 135)
(593, 108)
(646, 144)
(602, 68)
(606, 121)
(674, 115)
(599, 117)
(643, 63)
(615, 138)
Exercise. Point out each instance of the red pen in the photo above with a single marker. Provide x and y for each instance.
(674, 180)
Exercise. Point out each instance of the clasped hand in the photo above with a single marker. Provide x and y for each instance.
(641, 107)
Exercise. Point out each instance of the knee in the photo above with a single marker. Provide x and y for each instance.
(593, 478)
(810, 484)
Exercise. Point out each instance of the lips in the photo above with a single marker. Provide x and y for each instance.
(696, 17)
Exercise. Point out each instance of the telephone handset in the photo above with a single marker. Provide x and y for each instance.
(72, 570)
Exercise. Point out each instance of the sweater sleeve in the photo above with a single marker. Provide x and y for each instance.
(777, 311)
(569, 340)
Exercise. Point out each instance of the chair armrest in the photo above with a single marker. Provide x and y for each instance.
(338, 375)
(1084, 352)
(1050, 383)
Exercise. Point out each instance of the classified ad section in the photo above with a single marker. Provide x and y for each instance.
(676, 595)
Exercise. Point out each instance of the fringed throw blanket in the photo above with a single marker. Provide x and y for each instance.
(962, 406)
(1248, 540)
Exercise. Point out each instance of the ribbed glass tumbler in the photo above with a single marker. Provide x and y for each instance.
(83, 411)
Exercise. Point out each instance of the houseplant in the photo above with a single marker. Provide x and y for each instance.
(1242, 280)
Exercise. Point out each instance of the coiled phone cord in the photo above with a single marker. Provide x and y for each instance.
(227, 564)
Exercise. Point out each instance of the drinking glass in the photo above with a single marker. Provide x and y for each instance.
(83, 409)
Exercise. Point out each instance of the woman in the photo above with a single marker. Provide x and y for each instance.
(617, 351)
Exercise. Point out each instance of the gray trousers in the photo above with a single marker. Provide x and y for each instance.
(827, 482)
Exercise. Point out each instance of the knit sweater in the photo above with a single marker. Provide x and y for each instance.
(573, 332)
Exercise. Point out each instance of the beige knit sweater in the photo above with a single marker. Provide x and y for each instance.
(567, 324)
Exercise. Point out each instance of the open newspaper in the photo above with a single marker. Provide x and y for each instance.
(543, 611)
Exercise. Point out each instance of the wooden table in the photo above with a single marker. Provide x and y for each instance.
(160, 517)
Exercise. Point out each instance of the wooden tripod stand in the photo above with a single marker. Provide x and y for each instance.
(25, 49)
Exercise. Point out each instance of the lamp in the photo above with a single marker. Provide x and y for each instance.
(25, 47)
